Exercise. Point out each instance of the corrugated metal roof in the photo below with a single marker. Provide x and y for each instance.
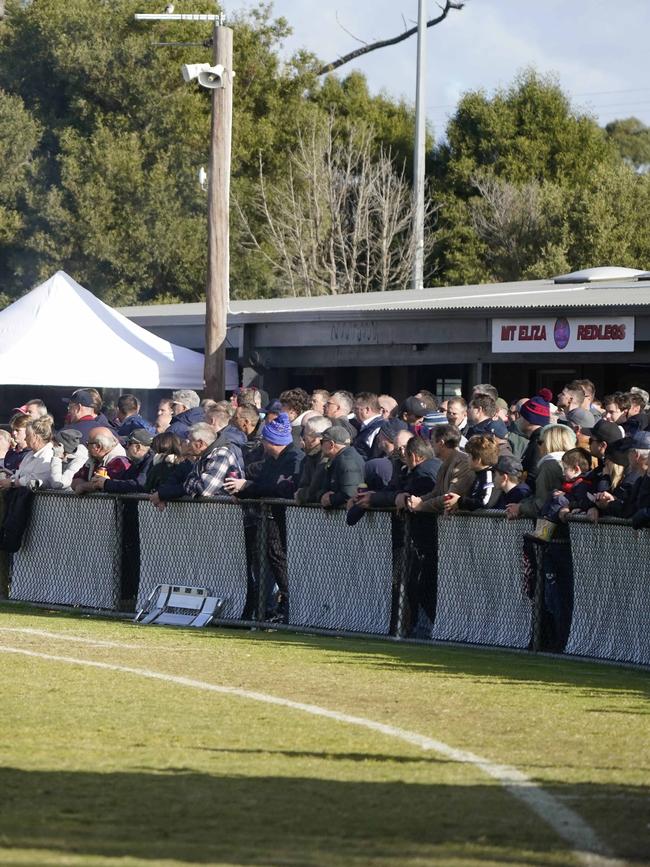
(480, 297)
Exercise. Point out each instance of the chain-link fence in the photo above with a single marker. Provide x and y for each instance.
(71, 552)
(480, 560)
(474, 578)
(611, 600)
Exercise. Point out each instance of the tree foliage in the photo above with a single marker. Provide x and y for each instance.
(101, 142)
(530, 188)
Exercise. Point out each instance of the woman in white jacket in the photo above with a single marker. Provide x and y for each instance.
(69, 457)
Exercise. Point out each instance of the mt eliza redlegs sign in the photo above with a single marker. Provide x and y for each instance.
(562, 334)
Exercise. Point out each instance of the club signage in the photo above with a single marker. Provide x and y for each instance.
(564, 334)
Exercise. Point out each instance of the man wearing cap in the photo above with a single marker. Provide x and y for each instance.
(133, 479)
(70, 454)
(345, 470)
(412, 412)
(534, 414)
(81, 415)
(105, 454)
(312, 470)
(367, 412)
(628, 499)
(508, 474)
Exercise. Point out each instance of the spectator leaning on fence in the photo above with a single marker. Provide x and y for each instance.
(106, 457)
(345, 470)
(34, 469)
(554, 440)
(70, 454)
(280, 469)
(312, 471)
(483, 451)
(455, 475)
(133, 480)
(508, 479)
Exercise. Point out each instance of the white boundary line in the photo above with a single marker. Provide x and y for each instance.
(61, 636)
(563, 820)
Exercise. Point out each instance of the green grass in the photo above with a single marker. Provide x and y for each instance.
(100, 767)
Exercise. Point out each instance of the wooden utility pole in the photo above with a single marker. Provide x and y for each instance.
(218, 283)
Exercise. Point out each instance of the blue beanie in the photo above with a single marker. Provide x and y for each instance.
(278, 431)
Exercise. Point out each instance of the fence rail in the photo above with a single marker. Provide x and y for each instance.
(464, 578)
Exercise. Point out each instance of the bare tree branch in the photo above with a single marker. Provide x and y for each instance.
(340, 220)
(384, 43)
(345, 30)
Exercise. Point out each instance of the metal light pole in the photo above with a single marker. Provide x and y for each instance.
(419, 150)
(218, 277)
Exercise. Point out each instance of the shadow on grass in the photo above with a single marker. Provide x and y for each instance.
(202, 818)
(480, 664)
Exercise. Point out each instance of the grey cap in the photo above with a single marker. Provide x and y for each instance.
(69, 439)
(140, 436)
(581, 418)
(338, 435)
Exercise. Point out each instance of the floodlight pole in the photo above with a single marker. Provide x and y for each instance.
(419, 150)
(218, 277)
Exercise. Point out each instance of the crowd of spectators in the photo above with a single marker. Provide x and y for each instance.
(543, 457)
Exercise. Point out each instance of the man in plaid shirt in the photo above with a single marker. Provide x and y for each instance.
(214, 464)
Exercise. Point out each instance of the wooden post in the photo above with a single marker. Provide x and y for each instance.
(218, 283)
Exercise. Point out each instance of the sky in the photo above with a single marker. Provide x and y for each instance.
(597, 49)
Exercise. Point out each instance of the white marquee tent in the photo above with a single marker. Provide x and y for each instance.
(60, 334)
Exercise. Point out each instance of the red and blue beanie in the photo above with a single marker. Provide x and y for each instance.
(536, 410)
(278, 431)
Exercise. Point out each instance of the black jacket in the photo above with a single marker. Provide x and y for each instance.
(313, 478)
(268, 484)
(418, 481)
(133, 480)
(345, 475)
(361, 441)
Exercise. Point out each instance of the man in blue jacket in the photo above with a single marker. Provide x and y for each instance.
(186, 406)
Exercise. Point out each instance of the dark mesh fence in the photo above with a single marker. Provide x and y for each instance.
(71, 552)
(339, 577)
(611, 607)
(198, 544)
(480, 560)
(473, 578)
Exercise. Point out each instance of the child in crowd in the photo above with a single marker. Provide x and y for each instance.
(577, 493)
(508, 479)
(483, 450)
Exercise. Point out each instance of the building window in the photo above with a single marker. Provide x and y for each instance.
(449, 388)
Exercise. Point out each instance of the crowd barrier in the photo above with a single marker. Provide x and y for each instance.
(378, 577)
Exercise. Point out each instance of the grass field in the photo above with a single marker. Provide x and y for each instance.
(105, 766)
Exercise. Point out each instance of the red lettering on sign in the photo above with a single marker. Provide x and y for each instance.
(601, 332)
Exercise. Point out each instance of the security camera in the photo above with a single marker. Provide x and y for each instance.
(208, 76)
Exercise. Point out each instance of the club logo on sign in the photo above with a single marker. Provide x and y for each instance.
(561, 333)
